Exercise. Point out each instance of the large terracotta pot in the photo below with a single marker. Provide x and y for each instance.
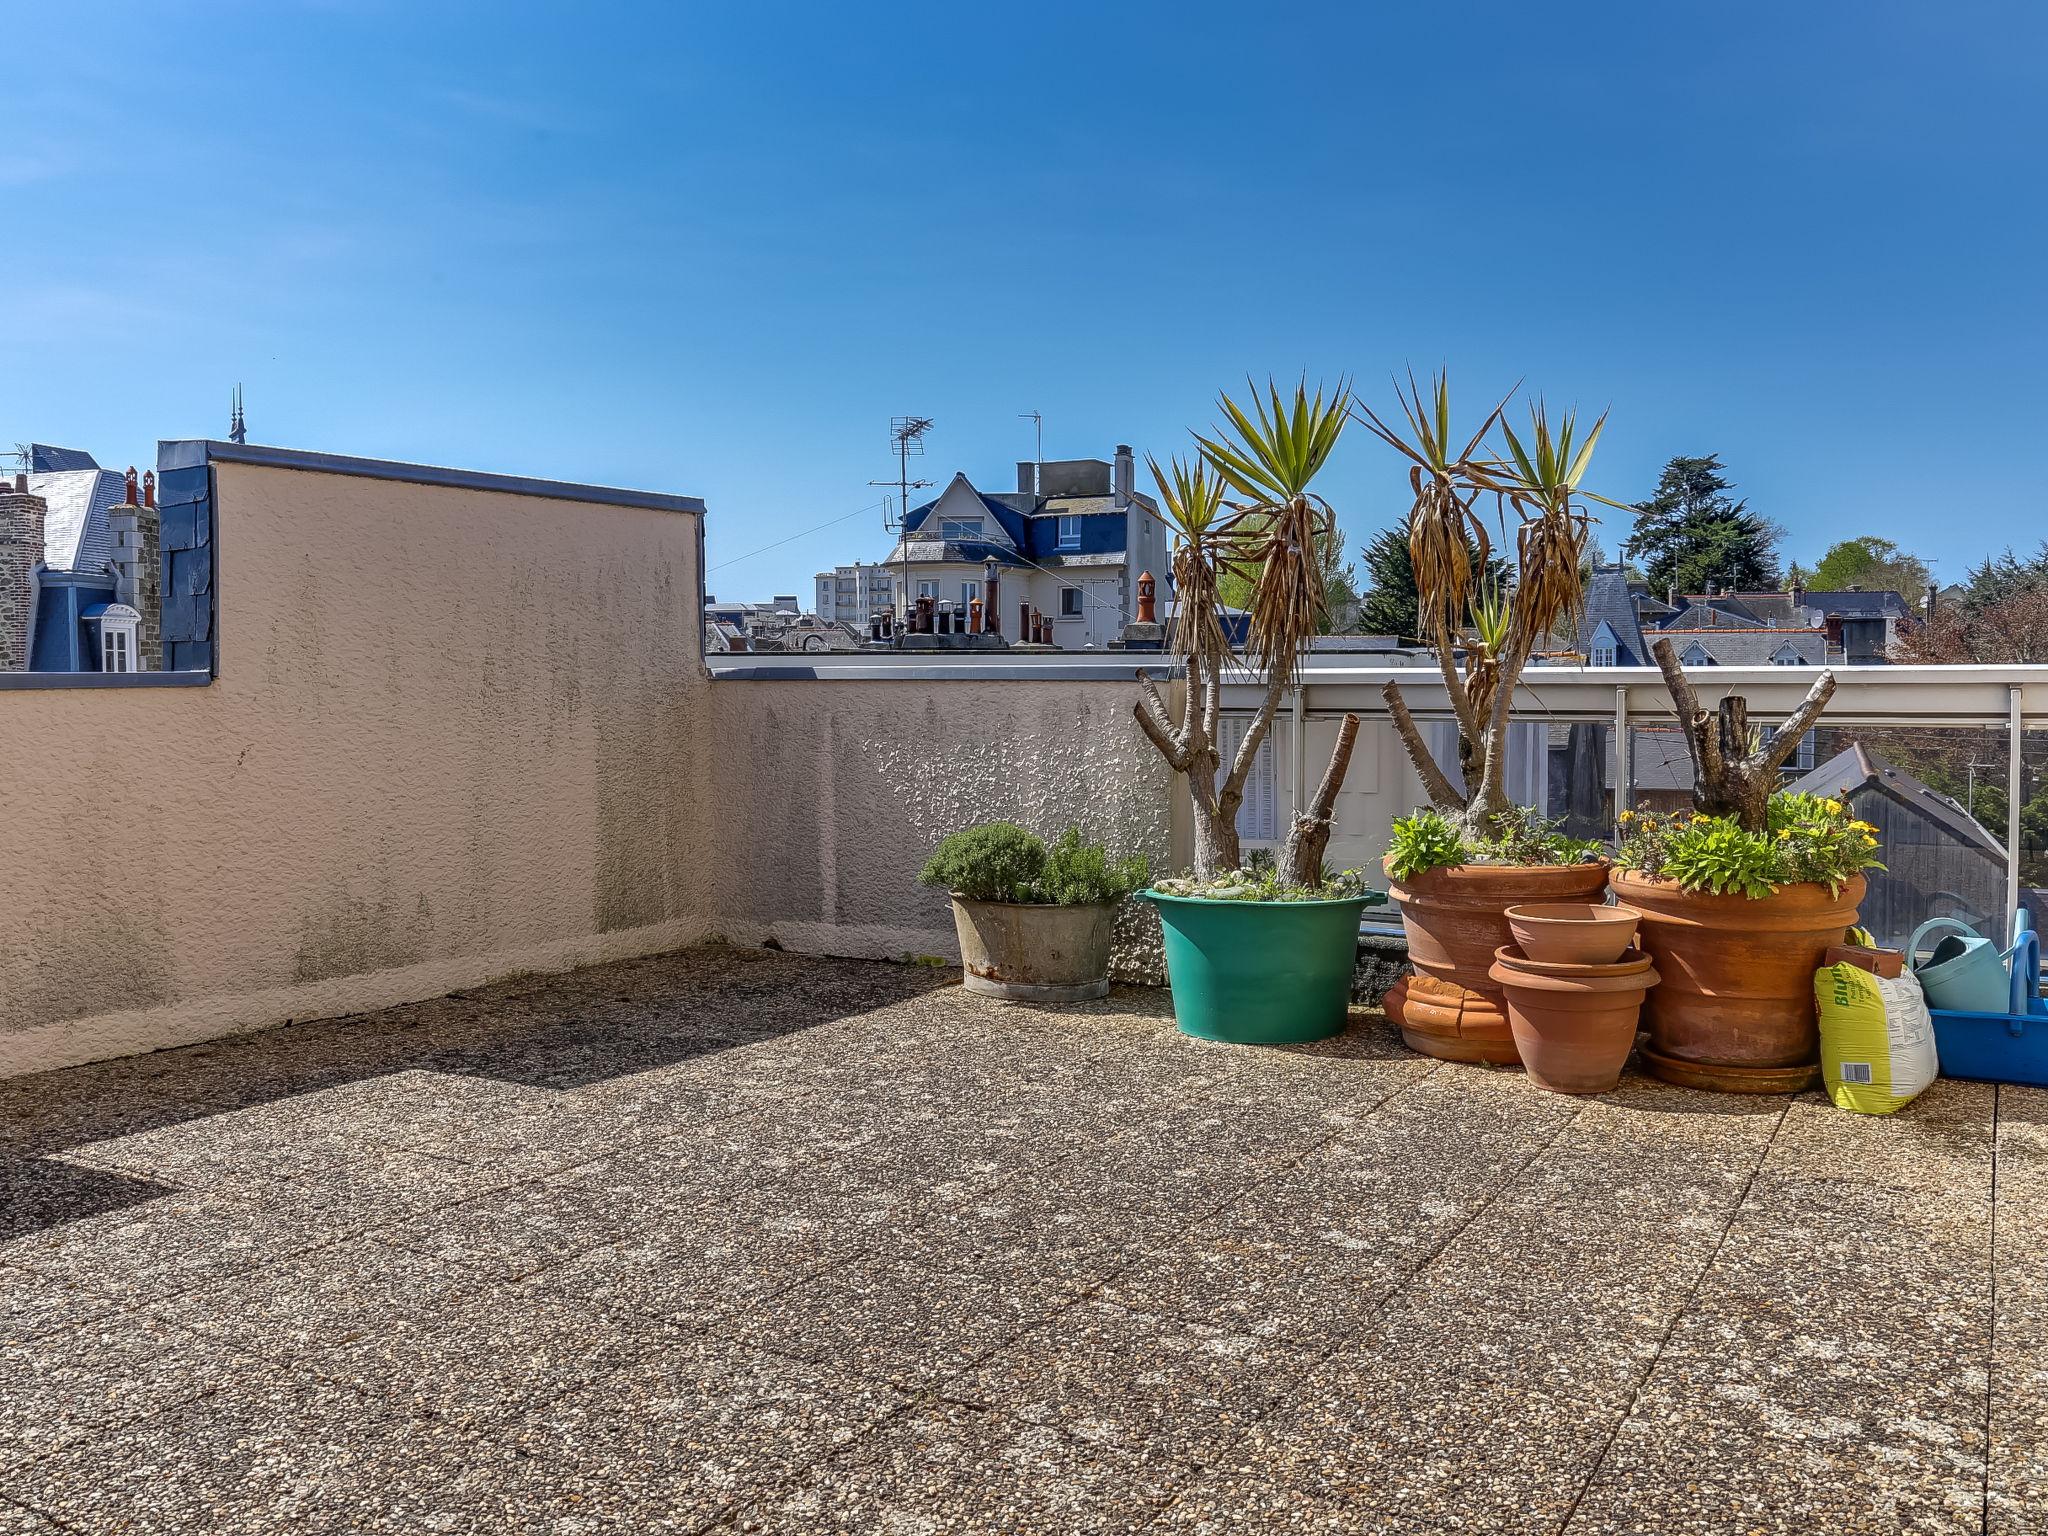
(1734, 1009)
(1574, 1024)
(1455, 919)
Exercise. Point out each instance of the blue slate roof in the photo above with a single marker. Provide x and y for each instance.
(1611, 601)
(79, 494)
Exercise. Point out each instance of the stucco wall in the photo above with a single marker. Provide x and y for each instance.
(453, 736)
(833, 793)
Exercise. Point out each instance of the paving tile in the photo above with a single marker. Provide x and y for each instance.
(1941, 1142)
(1310, 1300)
(1846, 1442)
(2017, 1485)
(259, 1457)
(1171, 1389)
(39, 1193)
(421, 1338)
(15, 1520)
(895, 1320)
(675, 1443)
(33, 1304)
(951, 1469)
(1447, 1415)
(162, 1246)
(1226, 1504)
(1026, 1228)
(78, 1380)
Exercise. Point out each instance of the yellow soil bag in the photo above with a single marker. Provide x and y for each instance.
(1876, 1040)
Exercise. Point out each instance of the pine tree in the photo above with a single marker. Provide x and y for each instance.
(1692, 532)
(1389, 604)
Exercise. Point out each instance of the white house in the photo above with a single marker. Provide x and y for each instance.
(1070, 542)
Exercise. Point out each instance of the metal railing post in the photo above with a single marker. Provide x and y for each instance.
(2013, 763)
(1624, 793)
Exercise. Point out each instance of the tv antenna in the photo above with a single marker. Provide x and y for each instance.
(906, 441)
(906, 437)
(1038, 429)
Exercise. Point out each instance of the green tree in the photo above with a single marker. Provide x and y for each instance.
(1691, 531)
(1875, 565)
(1389, 604)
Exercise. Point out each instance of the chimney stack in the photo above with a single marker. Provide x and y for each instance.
(22, 519)
(1671, 595)
(1027, 478)
(1125, 475)
(134, 528)
(1933, 597)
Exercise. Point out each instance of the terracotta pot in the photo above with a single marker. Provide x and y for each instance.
(1735, 1009)
(1572, 932)
(1455, 919)
(1574, 1024)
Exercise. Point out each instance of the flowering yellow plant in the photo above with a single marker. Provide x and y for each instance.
(1809, 839)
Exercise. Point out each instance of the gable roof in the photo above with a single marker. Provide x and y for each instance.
(1871, 605)
(1749, 645)
(1699, 614)
(1610, 601)
(1856, 766)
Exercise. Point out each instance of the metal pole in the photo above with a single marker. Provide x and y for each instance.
(1624, 793)
(1297, 748)
(2013, 758)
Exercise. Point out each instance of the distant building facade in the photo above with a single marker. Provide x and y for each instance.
(80, 567)
(1793, 628)
(1069, 543)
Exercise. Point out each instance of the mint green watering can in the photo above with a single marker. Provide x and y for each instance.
(1967, 973)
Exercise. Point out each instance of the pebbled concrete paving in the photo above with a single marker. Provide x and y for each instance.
(730, 1240)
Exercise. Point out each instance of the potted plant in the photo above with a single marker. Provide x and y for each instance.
(1034, 922)
(1476, 853)
(1454, 889)
(1252, 956)
(1740, 899)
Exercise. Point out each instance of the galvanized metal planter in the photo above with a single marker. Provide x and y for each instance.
(1031, 952)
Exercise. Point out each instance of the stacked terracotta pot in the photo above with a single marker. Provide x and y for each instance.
(1574, 985)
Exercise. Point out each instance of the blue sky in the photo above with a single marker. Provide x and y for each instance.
(714, 249)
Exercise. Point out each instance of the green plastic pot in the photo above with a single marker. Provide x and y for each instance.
(1259, 972)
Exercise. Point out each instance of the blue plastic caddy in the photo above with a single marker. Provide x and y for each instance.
(2010, 1047)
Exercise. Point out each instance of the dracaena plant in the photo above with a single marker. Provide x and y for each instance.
(1535, 491)
(1244, 508)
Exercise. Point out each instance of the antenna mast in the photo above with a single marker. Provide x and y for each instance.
(1038, 429)
(906, 438)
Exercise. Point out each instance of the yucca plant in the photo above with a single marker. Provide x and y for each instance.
(1541, 481)
(1245, 508)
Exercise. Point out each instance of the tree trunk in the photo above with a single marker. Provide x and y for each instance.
(1728, 779)
(1301, 862)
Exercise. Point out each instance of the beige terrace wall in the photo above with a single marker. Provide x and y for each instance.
(832, 793)
(453, 737)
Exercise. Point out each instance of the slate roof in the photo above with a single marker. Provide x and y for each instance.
(75, 533)
(1610, 598)
(1862, 605)
(1729, 646)
(1700, 615)
(1855, 767)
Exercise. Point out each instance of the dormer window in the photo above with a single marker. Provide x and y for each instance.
(1070, 533)
(1787, 657)
(954, 529)
(1696, 656)
(1603, 653)
(114, 634)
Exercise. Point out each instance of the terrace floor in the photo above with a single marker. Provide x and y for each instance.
(734, 1239)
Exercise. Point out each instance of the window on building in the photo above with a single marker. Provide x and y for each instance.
(970, 591)
(928, 589)
(1070, 533)
(1696, 656)
(1258, 814)
(118, 625)
(954, 528)
(1786, 657)
(1070, 602)
(1603, 655)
